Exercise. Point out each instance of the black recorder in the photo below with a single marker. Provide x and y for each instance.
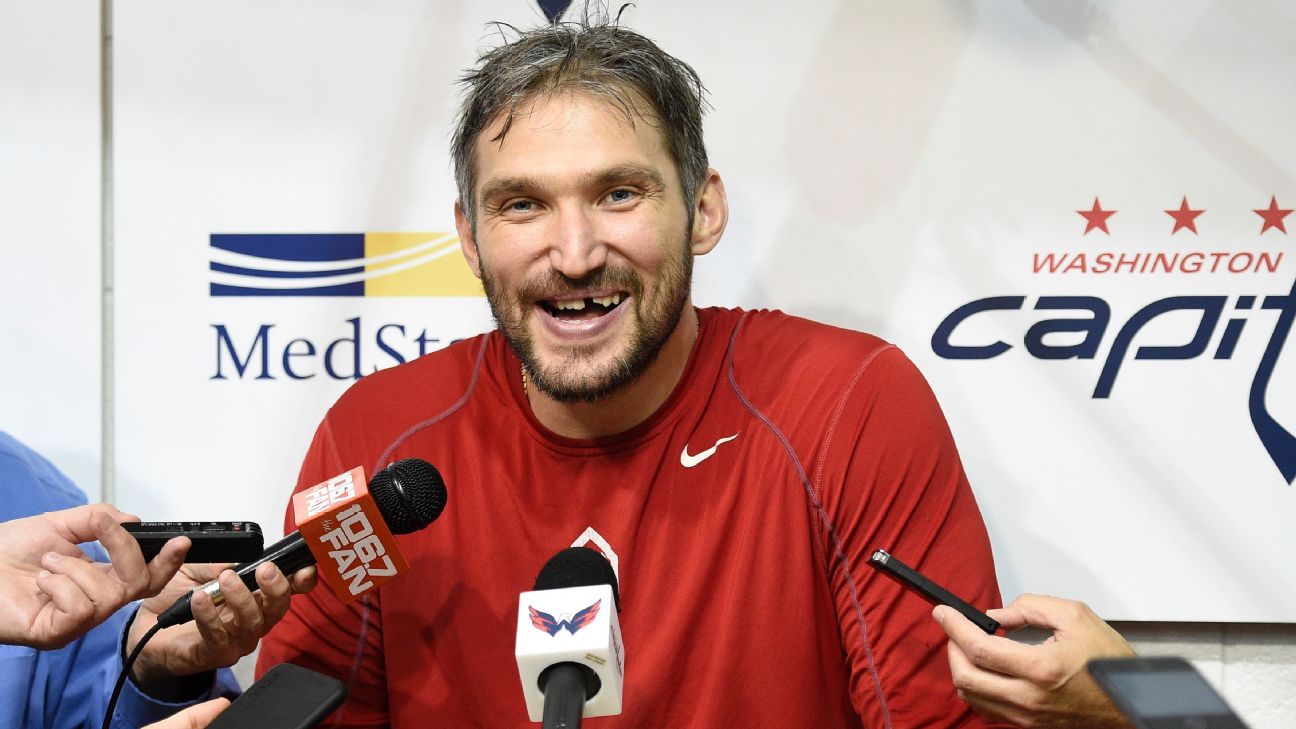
(286, 697)
(1163, 693)
(932, 592)
(213, 541)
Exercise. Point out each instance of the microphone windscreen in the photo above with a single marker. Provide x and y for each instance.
(578, 567)
(410, 494)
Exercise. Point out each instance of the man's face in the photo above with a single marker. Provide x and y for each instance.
(582, 243)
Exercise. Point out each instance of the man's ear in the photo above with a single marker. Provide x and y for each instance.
(466, 242)
(711, 214)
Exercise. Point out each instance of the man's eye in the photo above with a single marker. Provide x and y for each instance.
(520, 206)
(621, 196)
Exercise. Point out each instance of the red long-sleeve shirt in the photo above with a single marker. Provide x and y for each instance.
(741, 515)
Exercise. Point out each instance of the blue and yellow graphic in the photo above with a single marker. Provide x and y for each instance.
(339, 264)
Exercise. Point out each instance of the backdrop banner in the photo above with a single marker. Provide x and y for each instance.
(50, 274)
(1073, 217)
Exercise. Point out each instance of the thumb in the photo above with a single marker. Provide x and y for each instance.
(195, 717)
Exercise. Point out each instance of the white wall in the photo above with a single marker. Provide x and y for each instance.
(49, 233)
(1252, 665)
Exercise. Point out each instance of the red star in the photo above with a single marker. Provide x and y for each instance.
(1273, 216)
(1184, 217)
(1097, 218)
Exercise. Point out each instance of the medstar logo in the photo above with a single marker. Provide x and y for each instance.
(1207, 311)
(338, 264)
(245, 267)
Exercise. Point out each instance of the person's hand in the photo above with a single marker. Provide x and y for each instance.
(1044, 685)
(52, 593)
(218, 636)
(194, 717)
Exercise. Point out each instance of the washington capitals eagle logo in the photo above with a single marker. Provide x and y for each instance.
(547, 623)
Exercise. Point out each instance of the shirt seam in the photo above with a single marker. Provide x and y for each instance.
(365, 610)
(463, 400)
(818, 506)
(841, 407)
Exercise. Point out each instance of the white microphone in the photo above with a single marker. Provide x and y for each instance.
(569, 652)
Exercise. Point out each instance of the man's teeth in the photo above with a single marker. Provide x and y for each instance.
(579, 304)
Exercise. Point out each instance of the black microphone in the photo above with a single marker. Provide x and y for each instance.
(409, 493)
(565, 648)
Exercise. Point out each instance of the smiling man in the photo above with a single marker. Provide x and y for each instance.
(737, 468)
(584, 244)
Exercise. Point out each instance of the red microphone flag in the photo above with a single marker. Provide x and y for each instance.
(340, 522)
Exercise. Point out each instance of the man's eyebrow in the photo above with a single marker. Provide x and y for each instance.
(627, 173)
(630, 172)
(507, 185)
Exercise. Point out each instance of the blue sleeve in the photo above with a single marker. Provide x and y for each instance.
(83, 675)
(136, 708)
(69, 688)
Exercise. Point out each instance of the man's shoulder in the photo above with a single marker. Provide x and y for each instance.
(781, 323)
(782, 362)
(772, 340)
(429, 384)
(30, 483)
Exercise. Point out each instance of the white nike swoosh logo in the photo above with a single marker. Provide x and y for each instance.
(689, 461)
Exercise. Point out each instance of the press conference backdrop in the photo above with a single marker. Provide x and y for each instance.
(1074, 217)
(50, 311)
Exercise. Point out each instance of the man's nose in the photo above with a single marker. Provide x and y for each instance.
(577, 249)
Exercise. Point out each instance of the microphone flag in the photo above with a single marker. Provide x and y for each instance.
(571, 625)
(341, 524)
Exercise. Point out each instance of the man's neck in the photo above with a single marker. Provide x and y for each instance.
(632, 404)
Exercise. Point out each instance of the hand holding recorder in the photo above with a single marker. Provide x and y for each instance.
(52, 593)
(220, 635)
(333, 520)
(1044, 685)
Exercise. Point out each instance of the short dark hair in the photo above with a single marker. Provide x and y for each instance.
(593, 55)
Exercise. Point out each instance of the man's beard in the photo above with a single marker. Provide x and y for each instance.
(648, 334)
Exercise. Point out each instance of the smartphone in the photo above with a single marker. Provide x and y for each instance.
(932, 592)
(213, 541)
(287, 697)
(1163, 693)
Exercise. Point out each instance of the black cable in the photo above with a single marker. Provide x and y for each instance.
(125, 672)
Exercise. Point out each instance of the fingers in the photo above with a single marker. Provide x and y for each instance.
(1042, 611)
(103, 591)
(204, 713)
(276, 594)
(74, 612)
(989, 652)
(138, 579)
(205, 572)
(304, 580)
(208, 620)
(124, 553)
(972, 680)
(166, 564)
(194, 717)
(232, 631)
(991, 694)
(66, 596)
(245, 608)
(78, 525)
